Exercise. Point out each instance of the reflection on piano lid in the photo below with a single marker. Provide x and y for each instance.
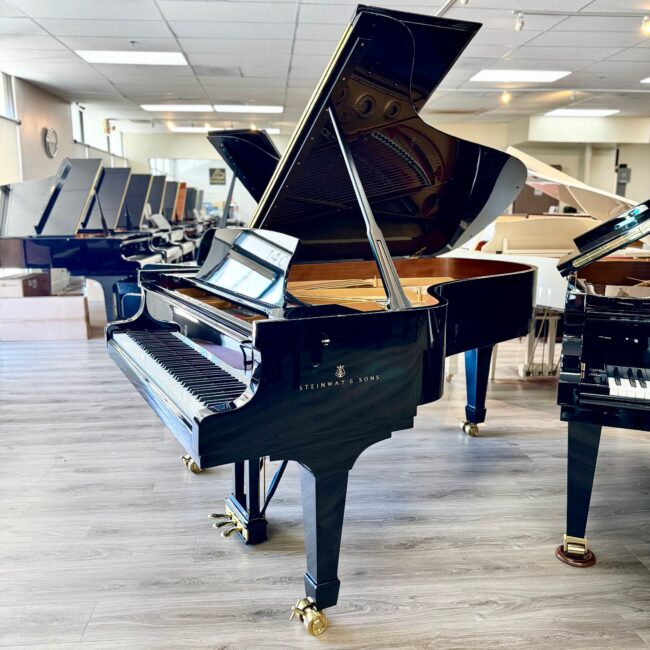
(608, 237)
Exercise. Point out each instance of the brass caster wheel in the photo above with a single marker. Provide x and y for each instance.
(191, 464)
(314, 620)
(470, 429)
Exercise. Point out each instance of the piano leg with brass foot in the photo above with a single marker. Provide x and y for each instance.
(191, 464)
(584, 440)
(477, 372)
(323, 496)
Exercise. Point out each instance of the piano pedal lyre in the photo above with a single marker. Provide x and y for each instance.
(574, 551)
(191, 464)
(230, 523)
(470, 428)
(314, 620)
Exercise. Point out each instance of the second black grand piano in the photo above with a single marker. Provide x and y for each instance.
(319, 331)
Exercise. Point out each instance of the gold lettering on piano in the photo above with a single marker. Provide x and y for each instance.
(339, 383)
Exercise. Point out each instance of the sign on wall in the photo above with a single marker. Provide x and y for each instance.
(217, 176)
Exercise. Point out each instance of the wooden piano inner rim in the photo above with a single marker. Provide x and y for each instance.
(358, 285)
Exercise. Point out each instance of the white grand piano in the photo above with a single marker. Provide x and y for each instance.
(541, 240)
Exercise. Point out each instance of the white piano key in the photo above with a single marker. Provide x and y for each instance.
(175, 392)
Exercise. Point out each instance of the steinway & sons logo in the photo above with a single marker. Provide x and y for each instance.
(339, 380)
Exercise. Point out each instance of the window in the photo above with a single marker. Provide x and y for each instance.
(7, 107)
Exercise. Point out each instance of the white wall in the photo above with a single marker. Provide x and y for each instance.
(637, 157)
(37, 110)
(9, 156)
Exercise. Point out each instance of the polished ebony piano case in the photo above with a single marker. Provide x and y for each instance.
(605, 365)
(318, 331)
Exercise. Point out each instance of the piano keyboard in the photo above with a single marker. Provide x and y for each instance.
(628, 382)
(188, 378)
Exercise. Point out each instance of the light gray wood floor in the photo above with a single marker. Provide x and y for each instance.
(448, 541)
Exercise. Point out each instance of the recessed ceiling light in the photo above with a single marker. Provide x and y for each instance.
(522, 76)
(506, 97)
(177, 108)
(247, 108)
(582, 112)
(132, 57)
(645, 25)
(646, 80)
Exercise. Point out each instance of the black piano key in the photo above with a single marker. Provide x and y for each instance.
(630, 376)
(642, 377)
(204, 379)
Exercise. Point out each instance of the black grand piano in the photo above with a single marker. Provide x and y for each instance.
(318, 331)
(81, 224)
(605, 366)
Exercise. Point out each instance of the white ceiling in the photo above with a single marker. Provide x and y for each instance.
(273, 52)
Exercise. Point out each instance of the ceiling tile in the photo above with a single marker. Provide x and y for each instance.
(120, 43)
(9, 11)
(563, 52)
(235, 46)
(637, 53)
(220, 11)
(601, 24)
(19, 26)
(117, 28)
(193, 29)
(499, 19)
(25, 42)
(242, 60)
(588, 39)
(90, 9)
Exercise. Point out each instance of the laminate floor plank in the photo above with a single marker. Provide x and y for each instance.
(448, 540)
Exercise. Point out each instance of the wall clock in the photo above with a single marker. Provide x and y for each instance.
(50, 142)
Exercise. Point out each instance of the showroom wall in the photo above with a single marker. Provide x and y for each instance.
(37, 110)
(10, 157)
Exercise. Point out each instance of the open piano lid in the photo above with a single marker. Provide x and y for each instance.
(610, 236)
(250, 154)
(593, 201)
(429, 192)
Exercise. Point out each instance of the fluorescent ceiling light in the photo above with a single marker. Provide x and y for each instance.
(273, 131)
(582, 112)
(247, 108)
(646, 80)
(188, 129)
(522, 76)
(177, 108)
(132, 57)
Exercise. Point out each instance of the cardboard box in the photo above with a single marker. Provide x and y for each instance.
(44, 330)
(25, 284)
(44, 308)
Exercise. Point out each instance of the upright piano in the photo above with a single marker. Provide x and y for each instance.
(318, 331)
(605, 366)
(74, 227)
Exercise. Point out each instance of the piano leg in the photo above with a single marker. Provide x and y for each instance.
(477, 372)
(584, 439)
(108, 283)
(323, 498)
(243, 505)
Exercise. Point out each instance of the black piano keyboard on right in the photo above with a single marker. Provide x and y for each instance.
(205, 380)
